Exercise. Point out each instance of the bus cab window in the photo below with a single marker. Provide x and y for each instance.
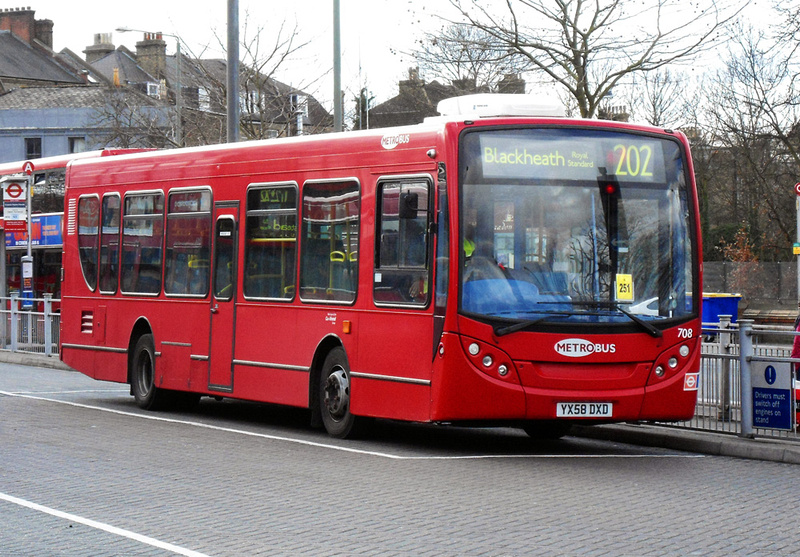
(403, 243)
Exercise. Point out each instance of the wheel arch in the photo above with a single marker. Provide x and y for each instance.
(323, 349)
(141, 327)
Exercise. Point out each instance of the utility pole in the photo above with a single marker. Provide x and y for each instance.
(233, 71)
(337, 70)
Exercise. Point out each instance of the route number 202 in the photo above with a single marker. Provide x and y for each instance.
(634, 160)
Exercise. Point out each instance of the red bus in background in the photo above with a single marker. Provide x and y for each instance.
(48, 176)
(480, 268)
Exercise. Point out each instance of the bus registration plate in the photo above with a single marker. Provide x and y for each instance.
(584, 409)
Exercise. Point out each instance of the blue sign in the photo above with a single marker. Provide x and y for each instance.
(772, 395)
(772, 408)
(46, 230)
(770, 375)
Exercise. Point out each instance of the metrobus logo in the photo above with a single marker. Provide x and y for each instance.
(392, 141)
(578, 348)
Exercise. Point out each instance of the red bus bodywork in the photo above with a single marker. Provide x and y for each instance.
(405, 363)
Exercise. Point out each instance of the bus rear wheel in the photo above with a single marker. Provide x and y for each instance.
(334, 397)
(143, 376)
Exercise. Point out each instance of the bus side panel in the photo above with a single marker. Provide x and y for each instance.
(398, 346)
(266, 335)
(83, 324)
(180, 330)
(172, 367)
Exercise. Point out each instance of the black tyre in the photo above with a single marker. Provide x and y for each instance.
(143, 375)
(334, 397)
(547, 431)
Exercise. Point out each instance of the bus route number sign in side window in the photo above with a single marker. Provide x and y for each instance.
(270, 251)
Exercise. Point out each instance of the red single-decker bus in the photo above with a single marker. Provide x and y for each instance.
(501, 266)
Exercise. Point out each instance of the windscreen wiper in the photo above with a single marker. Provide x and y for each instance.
(648, 327)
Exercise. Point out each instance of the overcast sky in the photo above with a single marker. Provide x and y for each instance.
(375, 33)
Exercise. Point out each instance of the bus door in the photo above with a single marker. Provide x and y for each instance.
(223, 309)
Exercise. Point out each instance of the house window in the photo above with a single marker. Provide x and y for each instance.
(33, 147)
(77, 144)
(299, 104)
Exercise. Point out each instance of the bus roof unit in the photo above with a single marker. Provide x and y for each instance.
(491, 105)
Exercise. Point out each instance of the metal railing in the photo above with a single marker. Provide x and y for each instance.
(728, 352)
(30, 325)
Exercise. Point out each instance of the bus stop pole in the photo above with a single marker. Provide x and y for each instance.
(745, 353)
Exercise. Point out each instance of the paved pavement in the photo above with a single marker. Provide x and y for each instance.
(773, 450)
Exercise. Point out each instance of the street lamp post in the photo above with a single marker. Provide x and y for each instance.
(178, 88)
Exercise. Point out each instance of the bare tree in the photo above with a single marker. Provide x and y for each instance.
(467, 55)
(755, 120)
(267, 106)
(130, 119)
(658, 98)
(589, 46)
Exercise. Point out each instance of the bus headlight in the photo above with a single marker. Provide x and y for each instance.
(672, 362)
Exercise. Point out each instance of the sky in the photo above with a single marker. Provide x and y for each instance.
(376, 34)
(371, 32)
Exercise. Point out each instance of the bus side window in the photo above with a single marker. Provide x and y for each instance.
(142, 236)
(109, 244)
(271, 241)
(329, 260)
(403, 243)
(88, 229)
(186, 267)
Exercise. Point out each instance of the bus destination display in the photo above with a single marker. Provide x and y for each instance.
(626, 157)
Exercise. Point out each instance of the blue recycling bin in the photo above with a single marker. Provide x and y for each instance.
(716, 304)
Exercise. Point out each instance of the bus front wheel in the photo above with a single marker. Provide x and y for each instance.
(334, 396)
(143, 376)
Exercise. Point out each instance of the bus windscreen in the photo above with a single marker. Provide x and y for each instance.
(575, 226)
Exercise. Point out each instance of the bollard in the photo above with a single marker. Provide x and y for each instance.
(724, 338)
(48, 324)
(14, 322)
(745, 352)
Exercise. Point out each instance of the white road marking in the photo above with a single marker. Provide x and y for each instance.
(102, 526)
(336, 447)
